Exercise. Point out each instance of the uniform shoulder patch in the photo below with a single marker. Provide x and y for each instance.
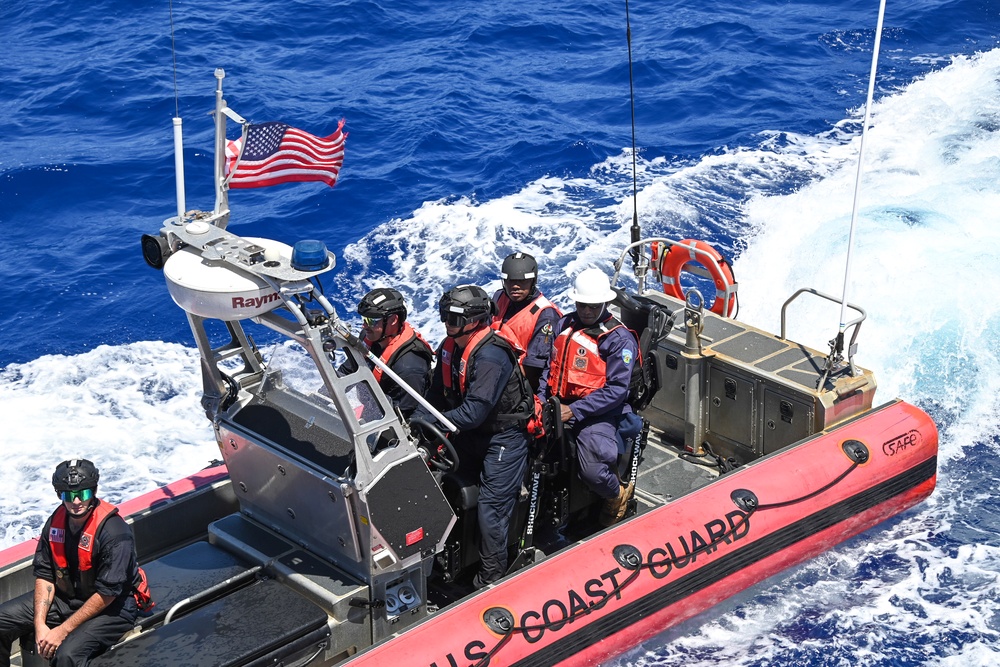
(627, 356)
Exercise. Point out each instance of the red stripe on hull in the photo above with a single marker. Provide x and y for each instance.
(693, 605)
(902, 442)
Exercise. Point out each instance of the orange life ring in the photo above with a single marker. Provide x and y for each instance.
(672, 263)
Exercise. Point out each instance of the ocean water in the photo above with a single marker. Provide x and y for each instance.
(477, 129)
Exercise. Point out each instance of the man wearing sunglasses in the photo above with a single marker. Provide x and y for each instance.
(589, 371)
(478, 385)
(530, 316)
(85, 572)
(391, 338)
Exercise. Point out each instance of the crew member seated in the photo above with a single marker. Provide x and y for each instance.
(589, 371)
(478, 385)
(391, 338)
(529, 315)
(87, 582)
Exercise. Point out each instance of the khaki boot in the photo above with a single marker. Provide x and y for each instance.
(614, 508)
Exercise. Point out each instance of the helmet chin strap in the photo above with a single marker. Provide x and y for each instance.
(91, 504)
(385, 331)
(465, 331)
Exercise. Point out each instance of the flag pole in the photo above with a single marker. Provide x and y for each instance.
(221, 192)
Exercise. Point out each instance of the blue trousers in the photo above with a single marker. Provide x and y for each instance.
(502, 463)
(597, 448)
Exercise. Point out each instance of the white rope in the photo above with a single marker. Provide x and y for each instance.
(861, 156)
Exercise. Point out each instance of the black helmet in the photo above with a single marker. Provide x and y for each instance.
(381, 303)
(519, 266)
(75, 475)
(465, 304)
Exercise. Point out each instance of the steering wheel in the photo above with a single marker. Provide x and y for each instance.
(440, 453)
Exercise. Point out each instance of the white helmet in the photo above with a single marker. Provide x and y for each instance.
(592, 286)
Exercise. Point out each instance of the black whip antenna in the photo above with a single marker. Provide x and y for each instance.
(634, 252)
(173, 52)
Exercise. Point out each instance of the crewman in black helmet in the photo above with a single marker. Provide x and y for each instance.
(478, 385)
(86, 577)
(524, 309)
(391, 338)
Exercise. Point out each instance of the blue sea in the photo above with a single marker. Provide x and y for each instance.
(480, 128)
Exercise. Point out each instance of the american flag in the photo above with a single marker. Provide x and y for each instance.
(278, 153)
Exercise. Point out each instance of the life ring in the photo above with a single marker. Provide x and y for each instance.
(672, 263)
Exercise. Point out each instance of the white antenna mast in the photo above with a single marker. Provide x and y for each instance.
(837, 344)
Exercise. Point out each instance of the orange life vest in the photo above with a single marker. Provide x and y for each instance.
(84, 550)
(516, 402)
(84, 555)
(522, 324)
(478, 338)
(57, 536)
(406, 340)
(576, 368)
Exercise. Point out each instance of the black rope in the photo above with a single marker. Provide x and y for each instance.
(496, 649)
(650, 564)
(723, 464)
(814, 493)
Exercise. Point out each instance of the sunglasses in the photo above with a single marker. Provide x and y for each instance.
(454, 319)
(83, 494)
(371, 322)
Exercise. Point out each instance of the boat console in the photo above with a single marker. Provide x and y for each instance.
(336, 499)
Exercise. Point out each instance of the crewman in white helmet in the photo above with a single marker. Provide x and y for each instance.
(589, 371)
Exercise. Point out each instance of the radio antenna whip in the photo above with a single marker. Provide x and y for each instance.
(636, 252)
(178, 130)
(837, 344)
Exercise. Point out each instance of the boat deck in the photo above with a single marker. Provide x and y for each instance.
(666, 473)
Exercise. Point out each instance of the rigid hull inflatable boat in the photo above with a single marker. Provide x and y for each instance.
(327, 537)
(337, 533)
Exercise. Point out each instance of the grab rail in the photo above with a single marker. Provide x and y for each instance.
(231, 582)
(856, 323)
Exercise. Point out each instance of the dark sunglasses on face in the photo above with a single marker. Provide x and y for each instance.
(454, 319)
(83, 494)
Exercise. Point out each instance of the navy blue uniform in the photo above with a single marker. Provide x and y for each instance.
(596, 416)
(498, 454)
(415, 370)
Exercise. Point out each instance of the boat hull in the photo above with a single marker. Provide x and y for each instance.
(694, 552)
(608, 593)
